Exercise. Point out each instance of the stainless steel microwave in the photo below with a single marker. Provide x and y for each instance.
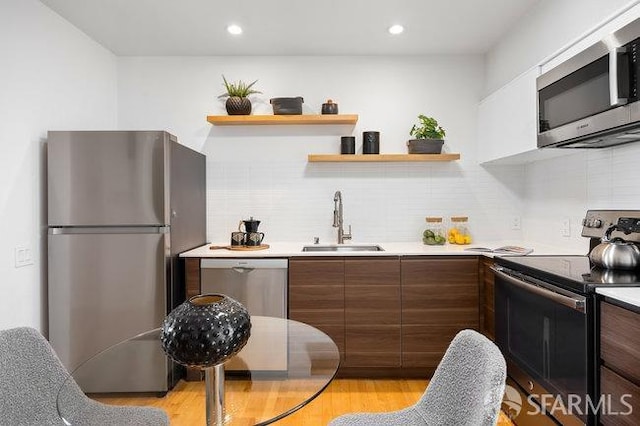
(591, 99)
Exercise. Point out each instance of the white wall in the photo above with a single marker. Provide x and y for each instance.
(547, 27)
(263, 171)
(52, 77)
(562, 189)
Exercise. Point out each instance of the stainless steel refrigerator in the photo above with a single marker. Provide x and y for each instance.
(121, 206)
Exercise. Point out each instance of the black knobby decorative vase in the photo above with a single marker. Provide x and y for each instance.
(206, 330)
(238, 106)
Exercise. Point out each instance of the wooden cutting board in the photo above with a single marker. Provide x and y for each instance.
(241, 248)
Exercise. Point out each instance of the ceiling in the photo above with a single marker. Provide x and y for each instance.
(292, 27)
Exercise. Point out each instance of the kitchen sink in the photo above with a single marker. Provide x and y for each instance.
(338, 248)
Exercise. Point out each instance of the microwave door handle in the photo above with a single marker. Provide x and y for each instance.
(570, 302)
(618, 76)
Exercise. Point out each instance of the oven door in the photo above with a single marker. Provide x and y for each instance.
(544, 334)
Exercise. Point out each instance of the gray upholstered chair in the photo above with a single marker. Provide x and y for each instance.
(31, 376)
(466, 390)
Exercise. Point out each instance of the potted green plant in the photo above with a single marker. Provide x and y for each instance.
(429, 136)
(237, 94)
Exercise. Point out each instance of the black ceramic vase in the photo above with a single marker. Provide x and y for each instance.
(238, 106)
(206, 330)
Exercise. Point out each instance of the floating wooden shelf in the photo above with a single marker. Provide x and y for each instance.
(247, 120)
(336, 158)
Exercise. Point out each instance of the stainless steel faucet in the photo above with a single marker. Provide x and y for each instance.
(337, 218)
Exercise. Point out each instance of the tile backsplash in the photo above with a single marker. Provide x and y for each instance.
(382, 201)
(565, 187)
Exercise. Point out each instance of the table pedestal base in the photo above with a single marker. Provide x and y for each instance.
(214, 390)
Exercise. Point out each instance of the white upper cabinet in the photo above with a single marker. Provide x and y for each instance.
(507, 119)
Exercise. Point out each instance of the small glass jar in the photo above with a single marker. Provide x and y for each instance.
(434, 234)
(459, 230)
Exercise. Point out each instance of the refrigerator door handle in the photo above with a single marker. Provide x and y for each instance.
(66, 230)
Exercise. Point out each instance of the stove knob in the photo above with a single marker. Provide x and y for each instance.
(530, 383)
(584, 222)
(597, 223)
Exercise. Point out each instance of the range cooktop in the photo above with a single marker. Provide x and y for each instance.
(574, 273)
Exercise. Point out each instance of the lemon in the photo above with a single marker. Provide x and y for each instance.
(467, 239)
(459, 239)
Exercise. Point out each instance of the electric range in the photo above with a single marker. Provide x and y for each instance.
(546, 326)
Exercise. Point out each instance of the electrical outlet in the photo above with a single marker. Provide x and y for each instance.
(516, 225)
(23, 256)
(566, 227)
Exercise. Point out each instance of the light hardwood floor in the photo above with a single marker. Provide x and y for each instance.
(185, 404)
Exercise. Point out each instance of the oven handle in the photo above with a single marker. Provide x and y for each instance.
(570, 302)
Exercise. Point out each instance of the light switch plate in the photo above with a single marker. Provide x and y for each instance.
(24, 256)
(566, 227)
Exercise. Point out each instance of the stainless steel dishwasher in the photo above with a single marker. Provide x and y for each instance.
(261, 286)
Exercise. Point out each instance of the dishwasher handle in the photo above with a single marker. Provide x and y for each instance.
(242, 269)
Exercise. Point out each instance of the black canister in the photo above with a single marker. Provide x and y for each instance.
(370, 142)
(348, 145)
(329, 107)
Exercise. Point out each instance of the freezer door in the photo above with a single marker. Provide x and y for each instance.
(105, 288)
(107, 178)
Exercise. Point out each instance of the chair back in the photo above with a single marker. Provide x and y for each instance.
(468, 385)
(32, 375)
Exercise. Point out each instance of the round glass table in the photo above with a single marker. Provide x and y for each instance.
(284, 365)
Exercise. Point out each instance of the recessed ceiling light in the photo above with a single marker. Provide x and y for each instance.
(234, 29)
(396, 29)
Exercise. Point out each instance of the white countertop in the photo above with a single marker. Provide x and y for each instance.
(630, 295)
(290, 249)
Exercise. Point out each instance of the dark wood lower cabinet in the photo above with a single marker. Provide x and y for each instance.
(317, 297)
(620, 340)
(621, 399)
(389, 316)
(486, 279)
(439, 298)
(192, 288)
(620, 365)
(372, 312)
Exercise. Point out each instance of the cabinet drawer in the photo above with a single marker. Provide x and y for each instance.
(429, 296)
(620, 340)
(368, 345)
(418, 338)
(622, 399)
(372, 271)
(316, 272)
(439, 270)
(316, 297)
